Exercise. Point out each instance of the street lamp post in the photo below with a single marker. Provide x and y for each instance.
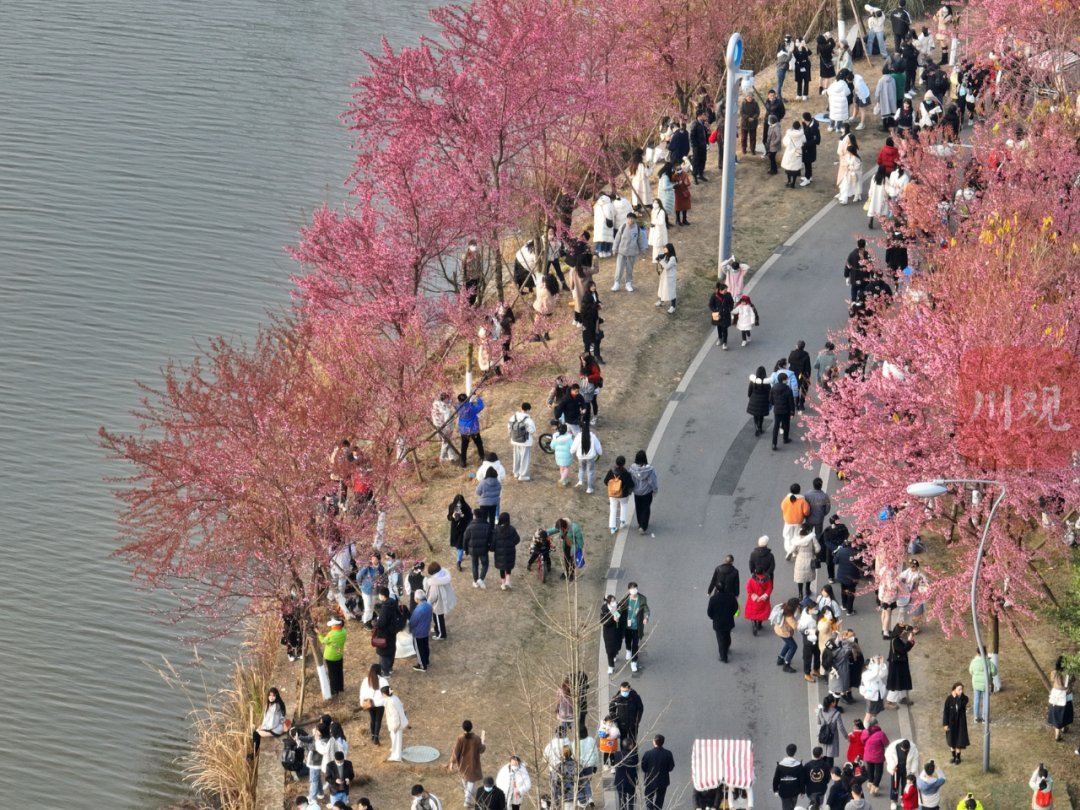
(932, 489)
(733, 61)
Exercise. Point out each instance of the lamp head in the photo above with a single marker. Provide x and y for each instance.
(926, 489)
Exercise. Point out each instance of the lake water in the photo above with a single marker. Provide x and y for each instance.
(154, 160)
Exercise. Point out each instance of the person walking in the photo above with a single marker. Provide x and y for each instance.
(761, 558)
(634, 608)
(816, 778)
(799, 365)
(788, 782)
(874, 743)
(667, 268)
(721, 306)
(759, 590)
(339, 775)
(388, 623)
(723, 608)
(522, 428)
(610, 629)
(490, 797)
(504, 544)
(783, 406)
(795, 510)
(469, 408)
(488, 494)
(646, 488)
(726, 575)
(372, 700)
(977, 671)
(847, 574)
(420, 628)
(479, 537)
(334, 654)
(656, 766)
(803, 550)
(587, 449)
(954, 720)
(831, 729)
(620, 485)
(465, 760)
(794, 142)
(591, 333)
(459, 515)
(514, 781)
(758, 403)
(820, 505)
(786, 630)
(746, 317)
(627, 247)
(625, 762)
(626, 709)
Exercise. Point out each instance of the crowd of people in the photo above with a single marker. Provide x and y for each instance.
(405, 610)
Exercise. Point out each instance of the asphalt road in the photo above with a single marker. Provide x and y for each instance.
(720, 489)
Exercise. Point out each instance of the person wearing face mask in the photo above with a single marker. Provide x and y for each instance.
(626, 709)
(610, 618)
(490, 797)
(514, 781)
(635, 615)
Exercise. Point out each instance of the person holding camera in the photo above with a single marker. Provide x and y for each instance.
(898, 681)
(875, 31)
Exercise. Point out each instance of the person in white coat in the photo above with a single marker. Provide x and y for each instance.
(667, 268)
(862, 98)
(792, 162)
(522, 428)
(603, 226)
(658, 229)
(441, 597)
(837, 94)
(514, 781)
(586, 448)
(850, 180)
(622, 208)
(396, 723)
(746, 317)
(872, 687)
(877, 200)
(640, 188)
(901, 758)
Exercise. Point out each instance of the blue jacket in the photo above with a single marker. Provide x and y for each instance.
(420, 620)
(792, 380)
(366, 576)
(468, 421)
(561, 444)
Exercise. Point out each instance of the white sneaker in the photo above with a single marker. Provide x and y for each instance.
(502, 587)
(483, 587)
(861, 126)
(718, 342)
(525, 478)
(476, 583)
(589, 492)
(613, 529)
(805, 181)
(615, 288)
(744, 343)
(629, 287)
(658, 303)
(723, 346)
(633, 666)
(671, 310)
(622, 524)
(627, 655)
(611, 670)
(579, 484)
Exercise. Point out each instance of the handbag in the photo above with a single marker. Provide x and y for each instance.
(716, 317)
(378, 642)
(579, 558)
(367, 704)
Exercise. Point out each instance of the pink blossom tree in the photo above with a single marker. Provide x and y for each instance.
(968, 373)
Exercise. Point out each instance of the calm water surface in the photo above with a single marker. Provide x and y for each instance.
(154, 159)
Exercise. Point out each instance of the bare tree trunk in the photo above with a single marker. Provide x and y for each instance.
(412, 517)
(1031, 656)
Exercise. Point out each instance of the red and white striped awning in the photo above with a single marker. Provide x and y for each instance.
(722, 762)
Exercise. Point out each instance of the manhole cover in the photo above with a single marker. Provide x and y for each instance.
(420, 753)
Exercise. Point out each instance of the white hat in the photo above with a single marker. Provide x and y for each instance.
(763, 540)
(334, 621)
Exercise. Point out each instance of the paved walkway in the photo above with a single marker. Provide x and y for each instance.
(720, 489)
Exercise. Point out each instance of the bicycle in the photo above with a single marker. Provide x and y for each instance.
(540, 552)
(543, 441)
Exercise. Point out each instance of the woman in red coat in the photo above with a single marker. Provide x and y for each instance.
(758, 591)
(889, 156)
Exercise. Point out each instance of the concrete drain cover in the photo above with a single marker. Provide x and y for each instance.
(420, 753)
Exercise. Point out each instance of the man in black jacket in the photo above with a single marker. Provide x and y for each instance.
(831, 540)
(699, 144)
(816, 777)
(656, 766)
(625, 762)
(783, 405)
(626, 709)
(679, 145)
(479, 539)
(856, 269)
(787, 781)
(812, 132)
(570, 408)
(725, 575)
(339, 775)
(901, 24)
(723, 605)
(774, 105)
(800, 365)
(387, 624)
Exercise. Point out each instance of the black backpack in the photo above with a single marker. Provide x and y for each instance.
(827, 733)
(292, 756)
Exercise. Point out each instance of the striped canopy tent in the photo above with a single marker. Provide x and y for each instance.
(722, 762)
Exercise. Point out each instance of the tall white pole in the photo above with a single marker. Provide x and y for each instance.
(731, 120)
